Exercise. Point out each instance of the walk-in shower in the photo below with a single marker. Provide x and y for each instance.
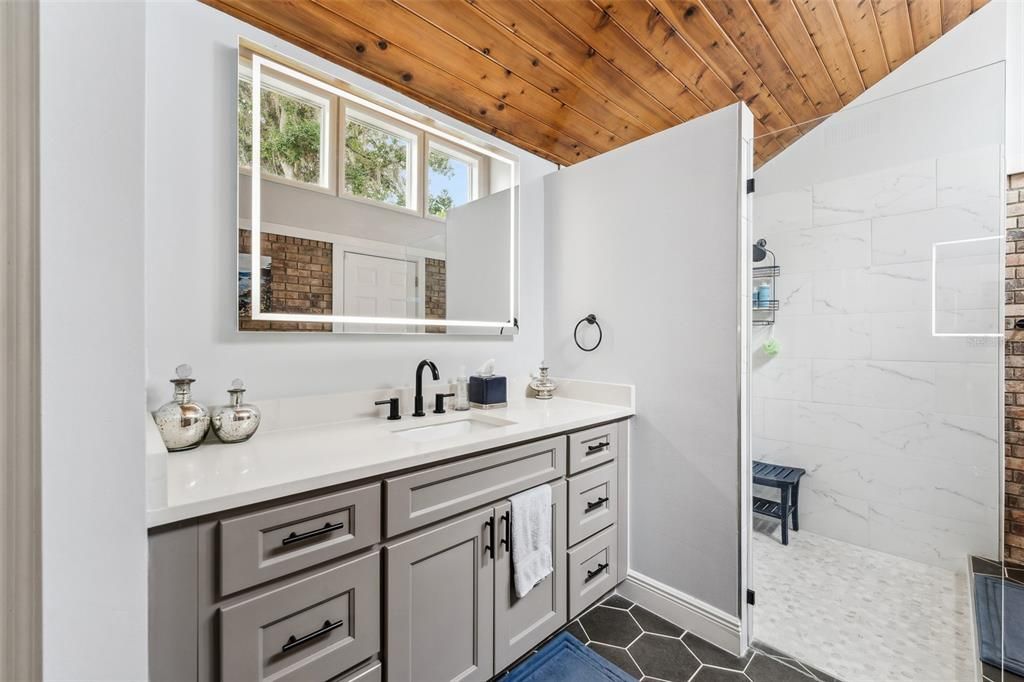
(881, 377)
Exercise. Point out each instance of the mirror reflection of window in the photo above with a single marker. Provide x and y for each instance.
(377, 161)
(365, 211)
(452, 179)
(294, 125)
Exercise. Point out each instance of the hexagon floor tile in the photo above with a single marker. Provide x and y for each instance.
(648, 647)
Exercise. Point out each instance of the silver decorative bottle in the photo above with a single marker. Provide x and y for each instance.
(183, 423)
(236, 422)
(542, 383)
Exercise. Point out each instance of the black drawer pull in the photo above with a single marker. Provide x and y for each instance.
(294, 641)
(299, 537)
(596, 504)
(596, 572)
(591, 449)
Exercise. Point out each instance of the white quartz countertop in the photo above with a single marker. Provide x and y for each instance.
(216, 477)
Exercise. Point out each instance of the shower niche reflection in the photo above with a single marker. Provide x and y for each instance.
(367, 217)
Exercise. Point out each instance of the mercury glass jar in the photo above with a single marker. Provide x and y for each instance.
(236, 422)
(183, 423)
(542, 384)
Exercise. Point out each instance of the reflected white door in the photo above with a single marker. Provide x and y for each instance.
(376, 286)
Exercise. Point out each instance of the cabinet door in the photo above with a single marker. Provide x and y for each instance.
(440, 602)
(520, 624)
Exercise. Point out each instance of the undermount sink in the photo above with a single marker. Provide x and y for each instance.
(450, 429)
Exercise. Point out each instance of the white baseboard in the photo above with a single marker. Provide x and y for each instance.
(693, 615)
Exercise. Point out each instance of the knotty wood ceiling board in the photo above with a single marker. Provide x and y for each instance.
(570, 79)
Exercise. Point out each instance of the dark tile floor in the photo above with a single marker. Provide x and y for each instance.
(651, 648)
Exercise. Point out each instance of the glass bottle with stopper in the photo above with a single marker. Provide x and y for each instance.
(542, 384)
(236, 422)
(183, 423)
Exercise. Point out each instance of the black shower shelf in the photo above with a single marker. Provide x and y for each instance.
(764, 314)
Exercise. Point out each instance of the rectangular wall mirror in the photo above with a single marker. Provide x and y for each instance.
(367, 217)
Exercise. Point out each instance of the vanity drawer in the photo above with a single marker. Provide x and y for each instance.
(423, 497)
(268, 544)
(370, 673)
(592, 570)
(593, 447)
(315, 628)
(593, 501)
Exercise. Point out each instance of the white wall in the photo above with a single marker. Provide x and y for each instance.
(190, 241)
(477, 259)
(93, 383)
(647, 237)
(899, 429)
(312, 210)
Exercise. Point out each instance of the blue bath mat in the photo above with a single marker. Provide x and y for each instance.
(566, 659)
(997, 603)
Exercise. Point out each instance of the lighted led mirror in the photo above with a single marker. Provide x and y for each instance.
(360, 215)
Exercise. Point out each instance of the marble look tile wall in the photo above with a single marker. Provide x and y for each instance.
(897, 428)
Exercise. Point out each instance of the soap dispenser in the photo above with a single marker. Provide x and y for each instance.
(183, 423)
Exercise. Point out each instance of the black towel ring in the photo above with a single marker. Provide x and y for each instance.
(589, 319)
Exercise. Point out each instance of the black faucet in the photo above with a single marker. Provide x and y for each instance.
(418, 412)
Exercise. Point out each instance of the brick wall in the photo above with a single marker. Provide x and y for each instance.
(300, 280)
(436, 292)
(1014, 387)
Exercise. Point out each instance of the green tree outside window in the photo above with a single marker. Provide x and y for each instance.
(289, 130)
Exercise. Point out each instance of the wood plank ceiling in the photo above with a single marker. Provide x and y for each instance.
(569, 79)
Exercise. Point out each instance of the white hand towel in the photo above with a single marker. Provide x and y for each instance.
(531, 537)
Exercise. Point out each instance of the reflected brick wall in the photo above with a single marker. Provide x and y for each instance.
(301, 272)
(1014, 386)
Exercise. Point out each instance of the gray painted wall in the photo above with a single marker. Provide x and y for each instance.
(92, 193)
(646, 237)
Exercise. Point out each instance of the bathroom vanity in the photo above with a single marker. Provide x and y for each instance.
(343, 542)
(369, 549)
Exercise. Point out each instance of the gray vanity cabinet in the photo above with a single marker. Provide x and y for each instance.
(520, 624)
(451, 608)
(312, 628)
(439, 602)
(407, 576)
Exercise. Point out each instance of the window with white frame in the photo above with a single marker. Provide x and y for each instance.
(380, 160)
(453, 178)
(374, 157)
(295, 130)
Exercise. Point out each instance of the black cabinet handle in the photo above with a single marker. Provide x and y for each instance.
(294, 641)
(591, 506)
(299, 537)
(596, 572)
(490, 546)
(506, 541)
(591, 449)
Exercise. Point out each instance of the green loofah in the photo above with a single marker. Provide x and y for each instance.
(770, 347)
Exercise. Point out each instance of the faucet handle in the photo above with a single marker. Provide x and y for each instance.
(393, 403)
(439, 402)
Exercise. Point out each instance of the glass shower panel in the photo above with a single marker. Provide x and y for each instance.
(881, 376)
